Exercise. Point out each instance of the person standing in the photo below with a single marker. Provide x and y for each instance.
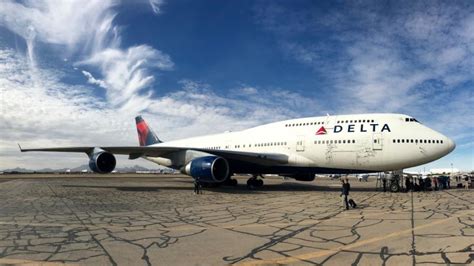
(345, 192)
(384, 182)
(407, 184)
(197, 186)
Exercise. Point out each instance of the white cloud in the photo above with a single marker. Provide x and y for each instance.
(93, 80)
(126, 74)
(88, 29)
(377, 57)
(156, 5)
(59, 22)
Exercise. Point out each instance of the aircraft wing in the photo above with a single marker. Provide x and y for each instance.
(159, 151)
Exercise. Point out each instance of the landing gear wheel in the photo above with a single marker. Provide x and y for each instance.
(394, 187)
(232, 182)
(254, 183)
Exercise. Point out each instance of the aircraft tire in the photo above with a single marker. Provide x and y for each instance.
(394, 187)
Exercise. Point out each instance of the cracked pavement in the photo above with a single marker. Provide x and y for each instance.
(154, 220)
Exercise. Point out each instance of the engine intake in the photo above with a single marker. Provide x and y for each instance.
(102, 162)
(210, 169)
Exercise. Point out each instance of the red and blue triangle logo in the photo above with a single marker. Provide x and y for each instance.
(321, 131)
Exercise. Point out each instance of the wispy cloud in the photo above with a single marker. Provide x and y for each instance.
(156, 5)
(88, 30)
(126, 74)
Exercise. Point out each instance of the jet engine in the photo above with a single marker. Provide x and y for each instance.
(209, 169)
(102, 162)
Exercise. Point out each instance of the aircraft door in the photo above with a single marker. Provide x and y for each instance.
(377, 141)
(300, 143)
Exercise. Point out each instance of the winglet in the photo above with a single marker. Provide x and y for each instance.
(20, 147)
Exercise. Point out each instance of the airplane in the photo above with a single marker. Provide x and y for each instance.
(296, 148)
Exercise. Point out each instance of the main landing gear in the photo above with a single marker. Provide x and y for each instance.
(254, 182)
(230, 182)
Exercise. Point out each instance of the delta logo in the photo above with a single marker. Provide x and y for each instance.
(321, 131)
(354, 128)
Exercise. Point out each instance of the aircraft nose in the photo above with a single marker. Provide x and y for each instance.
(450, 144)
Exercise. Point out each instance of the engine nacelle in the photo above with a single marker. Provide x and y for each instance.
(209, 169)
(102, 162)
(302, 177)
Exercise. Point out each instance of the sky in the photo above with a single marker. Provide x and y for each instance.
(76, 73)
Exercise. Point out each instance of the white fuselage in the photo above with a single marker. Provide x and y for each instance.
(365, 142)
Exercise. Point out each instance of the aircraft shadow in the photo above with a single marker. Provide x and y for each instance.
(239, 189)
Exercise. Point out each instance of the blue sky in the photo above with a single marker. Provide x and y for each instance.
(76, 73)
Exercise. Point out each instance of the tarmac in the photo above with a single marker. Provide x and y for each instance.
(157, 220)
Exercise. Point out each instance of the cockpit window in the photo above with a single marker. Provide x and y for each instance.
(409, 119)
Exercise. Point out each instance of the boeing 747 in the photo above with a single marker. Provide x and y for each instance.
(296, 148)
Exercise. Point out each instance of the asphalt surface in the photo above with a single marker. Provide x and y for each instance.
(157, 220)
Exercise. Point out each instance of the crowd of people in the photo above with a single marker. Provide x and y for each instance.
(432, 183)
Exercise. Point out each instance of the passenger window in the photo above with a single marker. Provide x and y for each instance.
(441, 141)
(403, 141)
(344, 141)
(416, 141)
(411, 141)
(406, 119)
(353, 141)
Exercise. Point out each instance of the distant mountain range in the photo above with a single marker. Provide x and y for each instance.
(131, 169)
